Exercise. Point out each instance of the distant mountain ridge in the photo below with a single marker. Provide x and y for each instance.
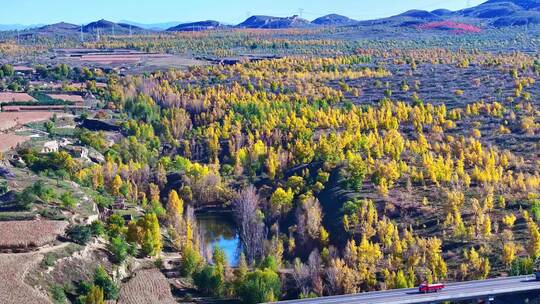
(18, 27)
(334, 20)
(271, 22)
(197, 26)
(160, 26)
(492, 13)
(59, 26)
(105, 25)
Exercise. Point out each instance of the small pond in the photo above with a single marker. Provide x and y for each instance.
(218, 230)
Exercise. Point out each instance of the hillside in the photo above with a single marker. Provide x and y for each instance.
(59, 27)
(197, 26)
(277, 159)
(490, 14)
(333, 20)
(500, 13)
(160, 26)
(105, 26)
(270, 22)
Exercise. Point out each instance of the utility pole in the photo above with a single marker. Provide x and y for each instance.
(130, 32)
(82, 35)
(113, 30)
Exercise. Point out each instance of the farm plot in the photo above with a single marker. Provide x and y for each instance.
(9, 120)
(146, 287)
(7, 97)
(24, 235)
(9, 141)
(13, 269)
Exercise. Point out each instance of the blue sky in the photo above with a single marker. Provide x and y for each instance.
(230, 11)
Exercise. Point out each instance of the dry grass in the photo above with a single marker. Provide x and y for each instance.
(9, 141)
(29, 234)
(146, 287)
(13, 290)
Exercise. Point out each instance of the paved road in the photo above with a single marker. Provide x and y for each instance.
(452, 291)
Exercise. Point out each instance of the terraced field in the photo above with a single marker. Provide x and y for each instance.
(13, 289)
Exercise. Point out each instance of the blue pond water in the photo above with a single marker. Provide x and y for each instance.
(220, 231)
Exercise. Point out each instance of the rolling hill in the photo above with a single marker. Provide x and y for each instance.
(105, 26)
(499, 13)
(197, 26)
(160, 26)
(334, 20)
(270, 22)
(490, 14)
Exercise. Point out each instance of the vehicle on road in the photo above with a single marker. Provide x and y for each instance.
(427, 288)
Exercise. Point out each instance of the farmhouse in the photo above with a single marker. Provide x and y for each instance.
(90, 100)
(50, 146)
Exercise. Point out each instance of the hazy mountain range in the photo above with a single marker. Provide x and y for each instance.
(493, 13)
(15, 27)
(154, 26)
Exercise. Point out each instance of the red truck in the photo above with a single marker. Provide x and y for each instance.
(427, 288)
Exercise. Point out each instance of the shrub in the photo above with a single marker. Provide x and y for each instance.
(68, 201)
(119, 249)
(535, 209)
(58, 295)
(190, 261)
(270, 263)
(208, 280)
(3, 187)
(522, 266)
(104, 281)
(98, 229)
(80, 234)
(260, 286)
(49, 259)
